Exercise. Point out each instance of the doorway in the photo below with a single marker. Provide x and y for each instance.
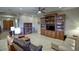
(7, 24)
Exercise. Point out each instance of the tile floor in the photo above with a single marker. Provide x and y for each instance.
(38, 39)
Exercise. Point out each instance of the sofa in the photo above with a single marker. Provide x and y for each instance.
(25, 45)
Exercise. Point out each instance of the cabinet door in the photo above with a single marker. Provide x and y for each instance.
(53, 34)
(57, 35)
(49, 33)
(60, 35)
(42, 31)
(46, 33)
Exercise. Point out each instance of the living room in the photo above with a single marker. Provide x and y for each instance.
(25, 22)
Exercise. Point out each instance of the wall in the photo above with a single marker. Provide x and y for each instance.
(71, 21)
(1, 23)
(29, 19)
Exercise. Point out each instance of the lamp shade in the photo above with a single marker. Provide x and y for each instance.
(12, 28)
(17, 30)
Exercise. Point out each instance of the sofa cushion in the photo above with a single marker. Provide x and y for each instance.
(23, 44)
(65, 48)
(35, 48)
(70, 42)
(17, 48)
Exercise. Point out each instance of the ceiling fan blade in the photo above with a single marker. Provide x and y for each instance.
(43, 12)
(39, 8)
(43, 9)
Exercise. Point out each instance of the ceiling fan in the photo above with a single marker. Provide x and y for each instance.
(40, 10)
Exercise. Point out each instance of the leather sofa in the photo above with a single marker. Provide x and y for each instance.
(22, 45)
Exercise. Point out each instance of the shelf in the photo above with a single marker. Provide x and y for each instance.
(53, 21)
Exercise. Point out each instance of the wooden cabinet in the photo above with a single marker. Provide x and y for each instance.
(60, 22)
(27, 28)
(53, 35)
(43, 31)
(56, 23)
(60, 35)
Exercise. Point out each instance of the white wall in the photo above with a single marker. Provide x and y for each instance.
(71, 21)
(29, 19)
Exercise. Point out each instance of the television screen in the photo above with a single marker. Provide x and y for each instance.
(50, 27)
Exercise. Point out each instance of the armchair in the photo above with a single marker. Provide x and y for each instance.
(67, 45)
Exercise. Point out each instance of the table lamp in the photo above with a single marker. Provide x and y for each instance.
(12, 30)
(17, 30)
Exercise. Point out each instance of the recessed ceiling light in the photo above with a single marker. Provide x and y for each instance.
(59, 7)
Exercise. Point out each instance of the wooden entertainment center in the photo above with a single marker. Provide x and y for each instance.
(52, 25)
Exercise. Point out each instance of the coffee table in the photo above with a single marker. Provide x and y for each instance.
(26, 38)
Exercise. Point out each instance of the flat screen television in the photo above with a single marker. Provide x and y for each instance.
(50, 27)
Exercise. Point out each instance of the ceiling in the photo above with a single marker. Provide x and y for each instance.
(28, 10)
